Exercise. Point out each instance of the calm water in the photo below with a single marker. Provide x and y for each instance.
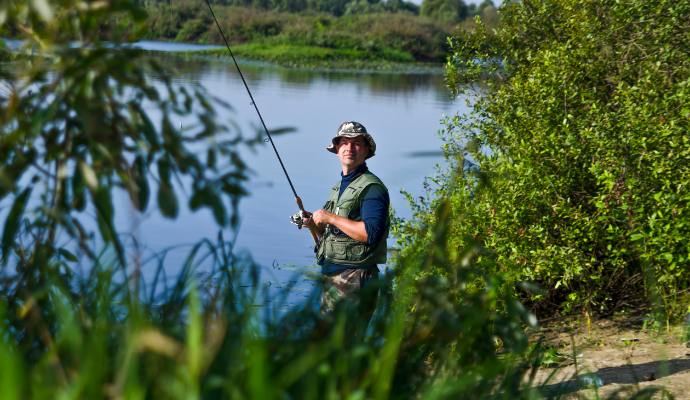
(401, 111)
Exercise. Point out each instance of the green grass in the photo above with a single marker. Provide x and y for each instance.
(313, 57)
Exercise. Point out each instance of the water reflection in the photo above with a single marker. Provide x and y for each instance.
(376, 83)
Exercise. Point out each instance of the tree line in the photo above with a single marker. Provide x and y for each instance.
(443, 10)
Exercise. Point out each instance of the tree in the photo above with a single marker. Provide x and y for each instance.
(444, 10)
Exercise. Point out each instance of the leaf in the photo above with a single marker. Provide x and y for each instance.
(167, 202)
(281, 131)
(67, 255)
(148, 130)
(211, 159)
(78, 192)
(13, 222)
(43, 9)
(141, 196)
(104, 212)
(164, 170)
(89, 175)
(206, 196)
(218, 210)
(201, 197)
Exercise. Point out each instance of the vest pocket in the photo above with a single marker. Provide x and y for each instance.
(337, 249)
(356, 250)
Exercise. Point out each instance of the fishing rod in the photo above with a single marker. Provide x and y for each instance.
(253, 103)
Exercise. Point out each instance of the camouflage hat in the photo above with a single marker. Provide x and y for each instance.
(352, 129)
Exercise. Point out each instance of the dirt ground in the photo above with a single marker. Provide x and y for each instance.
(645, 359)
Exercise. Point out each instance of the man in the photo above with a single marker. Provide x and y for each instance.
(353, 225)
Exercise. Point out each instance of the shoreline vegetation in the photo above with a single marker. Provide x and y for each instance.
(376, 36)
(312, 59)
(580, 207)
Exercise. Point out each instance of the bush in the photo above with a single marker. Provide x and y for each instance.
(192, 30)
(580, 122)
(445, 10)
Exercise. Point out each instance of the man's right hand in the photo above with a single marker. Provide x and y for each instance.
(308, 220)
(306, 217)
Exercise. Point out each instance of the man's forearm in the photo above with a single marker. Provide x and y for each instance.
(353, 229)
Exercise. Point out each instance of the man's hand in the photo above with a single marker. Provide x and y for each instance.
(322, 218)
(308, 220)
(353, 229)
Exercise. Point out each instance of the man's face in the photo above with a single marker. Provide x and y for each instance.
(352, 151)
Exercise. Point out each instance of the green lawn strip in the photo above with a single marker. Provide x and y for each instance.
(315, 57)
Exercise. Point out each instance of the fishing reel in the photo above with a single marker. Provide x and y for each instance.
(298, 219)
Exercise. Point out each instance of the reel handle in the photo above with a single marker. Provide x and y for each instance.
(310, 226)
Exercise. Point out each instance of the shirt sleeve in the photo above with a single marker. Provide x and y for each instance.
(374, 206)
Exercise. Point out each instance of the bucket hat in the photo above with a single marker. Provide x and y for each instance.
(352, 129)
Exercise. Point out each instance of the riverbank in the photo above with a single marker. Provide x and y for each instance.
(389, 42)
(315, 58)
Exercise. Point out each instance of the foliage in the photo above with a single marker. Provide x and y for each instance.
(374, 35)
(333, 7)
(100, 341)
(457, 11)
(74, 129)
(445, 10)
(103, 332)
(580, 124)
(87, 325)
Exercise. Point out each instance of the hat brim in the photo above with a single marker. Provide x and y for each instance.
(367, 137)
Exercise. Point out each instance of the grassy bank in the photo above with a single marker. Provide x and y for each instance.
(313, 57)
(313, 40)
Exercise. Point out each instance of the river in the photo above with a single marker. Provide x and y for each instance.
(402, 111)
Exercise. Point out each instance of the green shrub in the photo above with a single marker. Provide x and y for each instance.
(445, 10)
(580, 122)
(192, 30)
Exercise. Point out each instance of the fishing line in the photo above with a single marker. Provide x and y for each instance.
(253, 103)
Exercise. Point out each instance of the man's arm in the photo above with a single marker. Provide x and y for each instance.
(353, 229)
(374, 206)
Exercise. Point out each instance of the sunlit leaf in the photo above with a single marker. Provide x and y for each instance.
(43, 9)
(88, 175)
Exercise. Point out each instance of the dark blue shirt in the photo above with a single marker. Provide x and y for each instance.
(373, 206)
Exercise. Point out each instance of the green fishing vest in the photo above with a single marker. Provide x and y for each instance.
(336, 246)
